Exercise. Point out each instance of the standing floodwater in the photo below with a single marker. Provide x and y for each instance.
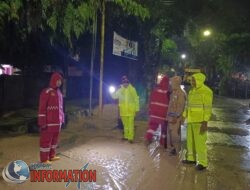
(121, 165)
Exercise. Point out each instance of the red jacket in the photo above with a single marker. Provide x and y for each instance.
(51, 106)
(159, 99)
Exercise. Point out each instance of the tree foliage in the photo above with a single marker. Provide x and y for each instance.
(9, 9)
(23, 23)
(74, 18)
(133, 8)
(159, 36)
(160, 26)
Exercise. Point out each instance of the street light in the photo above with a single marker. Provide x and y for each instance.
(183, 56)
(207, 33)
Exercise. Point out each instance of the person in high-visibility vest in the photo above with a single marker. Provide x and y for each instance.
(197, 113)
(128, 107)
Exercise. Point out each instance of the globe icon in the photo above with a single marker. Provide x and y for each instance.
(16, 172)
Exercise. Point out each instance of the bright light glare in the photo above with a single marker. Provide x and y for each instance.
(6, 66)
(160, 76)
(111, 89)
(182, 87)
(183, 56)
(206, 33)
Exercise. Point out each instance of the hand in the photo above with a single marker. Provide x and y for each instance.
(172, 120)
(203, 127)
(182, 120)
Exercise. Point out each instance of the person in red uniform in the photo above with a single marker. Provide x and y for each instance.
(158, 108)
(50, 118)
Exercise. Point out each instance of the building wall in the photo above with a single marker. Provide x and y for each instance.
(17, 91)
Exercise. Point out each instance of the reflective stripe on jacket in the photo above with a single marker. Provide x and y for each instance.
(199, 104)
(50, 112)
(158, 101)
(128, 100)
(50, 108)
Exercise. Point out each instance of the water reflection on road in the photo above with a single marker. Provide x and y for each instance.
(125, 166)
(121, 165)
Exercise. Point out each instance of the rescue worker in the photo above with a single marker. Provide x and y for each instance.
(175, 110)
(50, 119)
(128, 102)
(197, 113)
(158, 108)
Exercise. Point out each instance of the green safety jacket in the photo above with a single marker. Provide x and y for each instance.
(128, 100)
(199, 104)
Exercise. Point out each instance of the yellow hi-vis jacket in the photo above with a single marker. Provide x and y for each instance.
(199, 104)
(128, 100)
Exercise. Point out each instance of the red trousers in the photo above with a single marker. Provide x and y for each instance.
(48, 144)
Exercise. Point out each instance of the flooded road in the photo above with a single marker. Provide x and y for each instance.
(121, 165)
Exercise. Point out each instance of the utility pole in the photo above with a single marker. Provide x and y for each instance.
(92, 62)
(102, 56)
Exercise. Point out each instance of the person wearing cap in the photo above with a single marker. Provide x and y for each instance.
(50, 118)
(174, 117)
(197, 113)
(158, 108)
(128, 102)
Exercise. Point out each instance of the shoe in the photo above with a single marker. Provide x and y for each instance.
(173, 152)
(46, 162)
(188, 162)
(55, 158)
(200, 167)
(124, 139)
(131, 141)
